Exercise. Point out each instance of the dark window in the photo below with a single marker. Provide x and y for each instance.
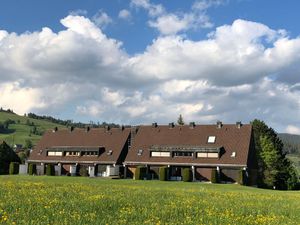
(182, 153)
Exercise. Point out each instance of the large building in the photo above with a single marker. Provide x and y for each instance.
(100, 150)
(228, 148)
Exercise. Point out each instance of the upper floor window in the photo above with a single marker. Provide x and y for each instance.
(54, 153)
(160, 154)
(183, 153)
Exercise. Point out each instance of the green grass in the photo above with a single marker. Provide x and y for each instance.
(21, 131)
(75, 200)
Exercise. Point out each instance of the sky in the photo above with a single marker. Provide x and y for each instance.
(143, 61)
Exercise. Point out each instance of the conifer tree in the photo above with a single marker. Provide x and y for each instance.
(180, 120)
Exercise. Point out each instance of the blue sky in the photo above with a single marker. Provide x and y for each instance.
(32, 15)
(140, 61)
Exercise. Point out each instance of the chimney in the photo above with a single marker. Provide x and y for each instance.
(219, 124)
(55, 129)
(88, 129)
(192, 124)
(239, 124)
(122, 127)
(72, 128)
(171, 125)
(154, 125)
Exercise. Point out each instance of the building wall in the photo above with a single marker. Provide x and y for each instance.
(230, 175)
(203, 174)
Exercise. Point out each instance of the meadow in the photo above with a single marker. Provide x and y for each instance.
(20, 131)
(80, 200)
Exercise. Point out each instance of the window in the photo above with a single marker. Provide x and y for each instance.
(212, 155)
(182, 153)
(72, 153)
(207, 155)
(160, 154)
(202, 155)
(140, 152)
(89, 153)
(233, 154)
(109, 152)
(52, 153)
(211, 139)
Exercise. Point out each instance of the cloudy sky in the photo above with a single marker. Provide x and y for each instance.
(140, 61)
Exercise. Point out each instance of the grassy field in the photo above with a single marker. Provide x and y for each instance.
(20, 131)
(75, 200)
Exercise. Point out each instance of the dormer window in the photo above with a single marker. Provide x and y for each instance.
(140, 152)
(109, 152)
(211, 139)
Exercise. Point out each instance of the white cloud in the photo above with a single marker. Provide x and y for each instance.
(203, 5)
(81, 72)
(153, 9)
(292, 129)
(78, 12)
(173, 23)
(101, 19)
(21, 100)
(125, 14)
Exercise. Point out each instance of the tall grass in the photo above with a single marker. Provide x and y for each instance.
(69, 200)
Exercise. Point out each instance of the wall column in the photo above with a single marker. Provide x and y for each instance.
(125, 171)
(193, 172)
(42, 169)
(59, 169)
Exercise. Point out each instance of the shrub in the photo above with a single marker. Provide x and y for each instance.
(32, 169)
(140, 173)
(14, 168)
(242, 179)
(83, 172)
(186, 175)
(50, 170)
(163, 173)
(214, 176)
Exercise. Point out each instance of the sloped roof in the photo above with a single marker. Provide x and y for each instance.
(111, 140)
(229, 138)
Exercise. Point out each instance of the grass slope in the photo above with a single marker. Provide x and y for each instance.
(19, 132)
(75, 200)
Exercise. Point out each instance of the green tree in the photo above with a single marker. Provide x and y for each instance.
(28, 144)
(271, 159)
(180, 120)
(274, 169)
(7, 155)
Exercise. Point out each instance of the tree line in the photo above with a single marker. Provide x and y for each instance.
(70, 123)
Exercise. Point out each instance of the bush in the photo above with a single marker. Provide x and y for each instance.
(14, 168)
(186, 175)
(140, 173)
(242, 179)
(50, 170)
(163, 173)
(32, 169)
(214, 176)
(83, 172)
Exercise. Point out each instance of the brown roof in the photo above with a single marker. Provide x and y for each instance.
(229, 139)
(99, 138)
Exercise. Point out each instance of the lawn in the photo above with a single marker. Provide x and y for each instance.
(78, 200)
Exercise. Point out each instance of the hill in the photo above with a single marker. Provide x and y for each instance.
(291, 144)
(16, 129)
